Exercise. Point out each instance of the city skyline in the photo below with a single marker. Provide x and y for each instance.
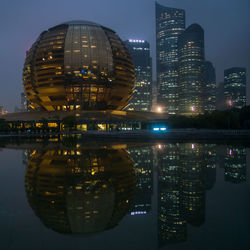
(226, 40)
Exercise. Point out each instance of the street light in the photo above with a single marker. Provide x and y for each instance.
(159, 109)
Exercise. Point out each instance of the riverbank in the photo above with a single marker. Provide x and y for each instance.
(177, 134)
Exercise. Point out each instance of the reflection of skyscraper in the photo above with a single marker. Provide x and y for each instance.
(142, 96)
(191, 70)
(210, 161)
(143, 161)
(80, 191)
(235, 87)
(193, 186)
(235, 165)
(170, 23)
(181, 190)
(172, 225)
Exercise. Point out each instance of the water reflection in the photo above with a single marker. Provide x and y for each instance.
(80, 191)
(186, 171)
(83, 190)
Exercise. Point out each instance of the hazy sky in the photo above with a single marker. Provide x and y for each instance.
(226, 24)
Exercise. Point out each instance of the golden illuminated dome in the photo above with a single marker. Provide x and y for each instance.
(78, 65)
(80, 191)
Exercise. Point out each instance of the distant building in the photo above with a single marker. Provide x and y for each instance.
(235, 87)
(210, 87)
(220, 97)
(2, 110)
(142, 96)
(24, 104)
(170, 23)
(191, 74)
(154, 96)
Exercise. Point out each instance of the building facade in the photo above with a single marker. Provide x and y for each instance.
(191, 71)
(142, 96)
(24, 104)
(2, 110)
(235, 87)
(78, 65)
(170, 23)
(220, 97)
(210, 87)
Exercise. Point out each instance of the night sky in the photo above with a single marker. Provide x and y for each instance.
(226, 24)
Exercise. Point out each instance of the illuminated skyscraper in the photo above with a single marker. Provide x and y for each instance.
(235, 87)
(191, 70)
(170, 23)
(210, 87)
(142, 96)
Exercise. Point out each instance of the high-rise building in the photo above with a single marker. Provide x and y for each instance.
(220, 97)
(170, 23)
(142, 96)
(191, 70)
(24, 105)
(235, 87)
(210, 87)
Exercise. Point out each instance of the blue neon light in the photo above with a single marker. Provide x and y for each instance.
(160, 129)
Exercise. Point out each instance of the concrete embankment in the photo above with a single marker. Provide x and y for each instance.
(176, 134)
(172, 134)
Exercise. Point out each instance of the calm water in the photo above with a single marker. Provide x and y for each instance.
(124, 196)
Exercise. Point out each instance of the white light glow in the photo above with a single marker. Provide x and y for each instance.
(159, 109)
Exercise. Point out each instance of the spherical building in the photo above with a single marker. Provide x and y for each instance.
(78, 65)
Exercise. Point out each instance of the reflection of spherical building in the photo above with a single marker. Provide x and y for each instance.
(78, 65)
(80, 191)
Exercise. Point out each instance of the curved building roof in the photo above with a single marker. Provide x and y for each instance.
(83, 22)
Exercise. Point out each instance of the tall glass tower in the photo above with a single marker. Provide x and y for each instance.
(210, 87)
(170, 23)
(191, 71)
(142, 96)
(235, 87)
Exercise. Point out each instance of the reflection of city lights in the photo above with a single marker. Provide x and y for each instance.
(192, 108)
(160, 146)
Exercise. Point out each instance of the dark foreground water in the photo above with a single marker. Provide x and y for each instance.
(124, 196)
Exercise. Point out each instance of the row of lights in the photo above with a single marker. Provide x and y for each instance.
(136, 41)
